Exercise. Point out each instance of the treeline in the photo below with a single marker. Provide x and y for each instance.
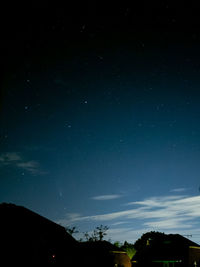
(98, 234)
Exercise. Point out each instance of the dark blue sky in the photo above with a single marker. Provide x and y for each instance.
(100, 120)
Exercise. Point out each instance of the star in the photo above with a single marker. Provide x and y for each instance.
(68, 125)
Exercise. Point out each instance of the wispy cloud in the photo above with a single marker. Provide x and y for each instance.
(179, 223)
(159, 213)
(106, 197)
(10, 157)
(30, 166)
(74, 216)
(16, 160)
(181, 189)
(118, 223)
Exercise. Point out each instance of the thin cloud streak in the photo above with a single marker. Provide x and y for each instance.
(176, 190)
(30, 166)
(106, 197)
(178, 223)
(9, 157)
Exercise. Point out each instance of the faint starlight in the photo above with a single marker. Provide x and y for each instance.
(82, 28)
(100, 57)
(68, 126)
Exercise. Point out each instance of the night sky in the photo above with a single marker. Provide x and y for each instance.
(100, 116)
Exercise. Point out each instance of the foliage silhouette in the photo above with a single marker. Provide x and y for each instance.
(71, 230)
(97, 235)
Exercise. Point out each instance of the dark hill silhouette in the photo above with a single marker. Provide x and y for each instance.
(29, 239)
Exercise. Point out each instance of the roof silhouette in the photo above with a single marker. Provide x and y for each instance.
(31, 239)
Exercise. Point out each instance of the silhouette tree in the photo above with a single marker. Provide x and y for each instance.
(98, 234)
(101, 231)
(148, 239)
(71, 230)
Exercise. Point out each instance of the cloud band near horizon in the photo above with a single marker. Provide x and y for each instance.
(160, 213)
